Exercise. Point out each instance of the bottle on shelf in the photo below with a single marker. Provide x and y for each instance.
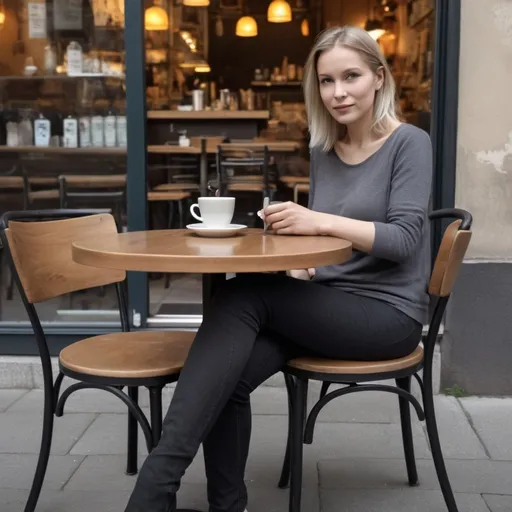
(122, 140)
(50, 59)
(42, 131)
(26, 128)
(70, 132)
(74, 56)
(97, 130)
(109, 128)
(12, 138)
(84, 129)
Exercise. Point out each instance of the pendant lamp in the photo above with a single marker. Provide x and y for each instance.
(156, 18)
(246, 26)
(279, 11)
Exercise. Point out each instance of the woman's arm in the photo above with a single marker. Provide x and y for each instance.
(398, 237)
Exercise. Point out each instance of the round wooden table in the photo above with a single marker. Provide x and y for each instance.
(181, 251)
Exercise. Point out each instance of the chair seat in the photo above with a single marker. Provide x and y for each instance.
(291, 181)
(167, 195)
(11, 182)
(248, 187)
(334, 366)
(44, 194)
(129, 354)
(168, 187)
(301, 187)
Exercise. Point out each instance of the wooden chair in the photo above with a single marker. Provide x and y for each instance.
(39, 248)
(101, 190)
(351, 373)
(245, 169)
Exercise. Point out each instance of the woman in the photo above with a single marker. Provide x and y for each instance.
(370, 184)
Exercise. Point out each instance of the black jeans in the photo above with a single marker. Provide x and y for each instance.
(256, 323)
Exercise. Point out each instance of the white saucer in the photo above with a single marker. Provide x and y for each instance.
(224, 232)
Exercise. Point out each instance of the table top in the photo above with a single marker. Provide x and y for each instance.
(180, 250)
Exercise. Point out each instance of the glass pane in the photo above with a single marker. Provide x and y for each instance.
(62, 127)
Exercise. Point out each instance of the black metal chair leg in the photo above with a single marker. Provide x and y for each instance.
(132, 452)
(325, 387)
(44, 453)
(181, 217)
(297, 444)
(405, 419)
(284, 480)
(155, 407)
(10, 288)
(437, 454)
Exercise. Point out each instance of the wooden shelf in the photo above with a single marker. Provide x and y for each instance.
(258, 83)
(51, 150)
(83, 76)
(208, 114)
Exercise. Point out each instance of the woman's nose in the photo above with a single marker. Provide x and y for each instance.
(339, 90)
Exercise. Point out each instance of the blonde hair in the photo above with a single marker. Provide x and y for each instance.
(324, 129)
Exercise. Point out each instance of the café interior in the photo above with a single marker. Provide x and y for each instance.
(224, 109)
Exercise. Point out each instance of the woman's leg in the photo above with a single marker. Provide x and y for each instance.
(226, 446)
(334, 323)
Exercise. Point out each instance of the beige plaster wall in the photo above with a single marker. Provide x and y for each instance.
(484, 159)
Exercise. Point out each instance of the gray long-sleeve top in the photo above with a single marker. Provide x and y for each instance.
(391, 188)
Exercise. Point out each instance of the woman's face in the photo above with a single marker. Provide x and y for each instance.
(347, 85)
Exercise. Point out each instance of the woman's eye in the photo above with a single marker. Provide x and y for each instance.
(325, 80)
(352, 76)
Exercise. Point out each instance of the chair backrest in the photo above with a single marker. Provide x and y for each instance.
(41, 253)
(240, 161)
(449, 258)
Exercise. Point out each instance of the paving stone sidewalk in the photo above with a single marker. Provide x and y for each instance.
(354, 465)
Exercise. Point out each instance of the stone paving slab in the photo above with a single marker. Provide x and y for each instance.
(492, 419)
(466, 476)
(497, 503)
(409, 500)
(368, 407)
(364, 440)
(10, 396)
(67, 501)
(189, 496)
(458, 439)
(17, 471)
(20, 432)
(107, 435)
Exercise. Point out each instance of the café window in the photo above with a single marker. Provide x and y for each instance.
(62, 127)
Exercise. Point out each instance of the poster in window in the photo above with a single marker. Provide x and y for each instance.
(37, 20)
(67, 15)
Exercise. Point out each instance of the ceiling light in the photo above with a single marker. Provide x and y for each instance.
(279, 11)
(246, 26)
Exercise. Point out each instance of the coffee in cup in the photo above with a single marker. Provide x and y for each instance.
(216, 212)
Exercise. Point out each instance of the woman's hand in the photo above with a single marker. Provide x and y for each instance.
(292, 219)
(305, 274)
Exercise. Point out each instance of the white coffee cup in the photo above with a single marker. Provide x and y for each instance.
(216, 212)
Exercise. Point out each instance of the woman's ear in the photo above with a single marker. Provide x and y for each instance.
(379, 78)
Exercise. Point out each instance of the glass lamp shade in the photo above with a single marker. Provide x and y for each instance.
(155, 18)
(246, 26)
(279, 11)
(196, 3)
